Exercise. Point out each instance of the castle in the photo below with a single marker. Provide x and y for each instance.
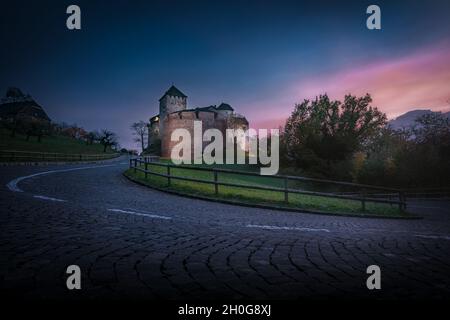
(173, 114)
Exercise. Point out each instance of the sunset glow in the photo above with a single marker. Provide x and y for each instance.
(420, 80)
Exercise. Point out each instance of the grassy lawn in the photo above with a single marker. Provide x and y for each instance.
(264, 197)
(53, 144)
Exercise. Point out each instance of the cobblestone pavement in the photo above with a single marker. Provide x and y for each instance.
(134, 242)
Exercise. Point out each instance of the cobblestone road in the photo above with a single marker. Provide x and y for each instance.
(133, 242)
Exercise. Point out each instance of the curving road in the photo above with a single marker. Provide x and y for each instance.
(134, 242)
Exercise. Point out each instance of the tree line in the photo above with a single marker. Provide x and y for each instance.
(31, 127)
(351, 140)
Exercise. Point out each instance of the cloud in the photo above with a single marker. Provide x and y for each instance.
(418, 80)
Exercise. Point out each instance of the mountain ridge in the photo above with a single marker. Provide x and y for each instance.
(407, 119)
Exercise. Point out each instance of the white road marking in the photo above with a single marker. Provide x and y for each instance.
(149, 215)
(286, 228)
(48, 198)
(13, 184)
(432, 236)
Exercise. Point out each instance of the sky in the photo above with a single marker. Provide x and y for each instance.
(261, 57)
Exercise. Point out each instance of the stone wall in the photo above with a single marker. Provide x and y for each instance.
(153, 132)
(185, 120)
(169, 104)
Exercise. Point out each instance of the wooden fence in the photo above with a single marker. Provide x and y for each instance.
(29, 156)
(362, 196)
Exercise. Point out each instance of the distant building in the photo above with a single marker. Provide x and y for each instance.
(173, 114)
(18, 106)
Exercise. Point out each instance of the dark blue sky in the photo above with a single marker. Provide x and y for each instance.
(247, 53)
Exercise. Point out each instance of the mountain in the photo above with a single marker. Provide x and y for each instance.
(407, 119)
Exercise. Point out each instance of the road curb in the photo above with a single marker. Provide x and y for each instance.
(271, 207)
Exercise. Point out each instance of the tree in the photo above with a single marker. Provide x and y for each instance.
(35, 127)
(417, 157)
(432, 128)
(91, 137)
(428, 157)
(73, 131)
(14, 125)
(322, 134)
(384, 158)
(140, 131)
(107, 139)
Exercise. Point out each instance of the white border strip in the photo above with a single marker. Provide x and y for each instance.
(48, 198)
(433, 236)
(13, 184)
(149, 215)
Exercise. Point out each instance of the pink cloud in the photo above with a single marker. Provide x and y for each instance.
(419, 80)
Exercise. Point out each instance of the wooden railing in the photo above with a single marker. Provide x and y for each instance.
(30, 156)
(428, 193)
(363, 195)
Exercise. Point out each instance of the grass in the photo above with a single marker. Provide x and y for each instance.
(53, 144)
(251, 196)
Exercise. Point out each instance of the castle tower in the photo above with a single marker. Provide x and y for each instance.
(173, 100)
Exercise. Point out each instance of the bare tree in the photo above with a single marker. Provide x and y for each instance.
(140, 131)
(107, 139)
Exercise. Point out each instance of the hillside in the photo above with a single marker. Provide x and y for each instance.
(53, 144)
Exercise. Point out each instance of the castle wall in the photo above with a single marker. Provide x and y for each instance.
(237, 123)
(186, 120)
(153, 132)
(169, 104)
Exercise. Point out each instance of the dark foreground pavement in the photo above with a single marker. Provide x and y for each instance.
(134, 242)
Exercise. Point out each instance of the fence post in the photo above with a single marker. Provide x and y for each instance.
(402, 200)
(168, 175)
(135, 165)
(363, 200)
(145, 167)
(131, 165)
(286, 193)
(216, 186)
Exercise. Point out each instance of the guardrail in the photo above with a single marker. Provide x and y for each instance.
(142, 165)
(25, 156)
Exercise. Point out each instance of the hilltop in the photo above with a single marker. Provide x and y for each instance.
(407, 119)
